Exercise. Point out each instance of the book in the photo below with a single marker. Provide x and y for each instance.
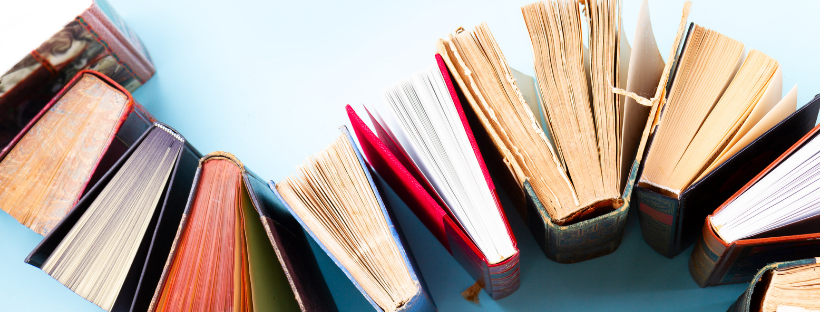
(111, 247)
(66, 149)
(723, 121)
(790, 286)
(539, 180)
(46, 43)
(771, 218)
(334, 198)
(243, 248)
(445, 182)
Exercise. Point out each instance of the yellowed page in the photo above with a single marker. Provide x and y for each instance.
(783, 109)
(645, 70)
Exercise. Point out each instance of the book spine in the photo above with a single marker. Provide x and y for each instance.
(658, 216)
(576, 242)
(708, 253)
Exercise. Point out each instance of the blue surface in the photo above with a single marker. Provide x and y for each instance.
(268, 81)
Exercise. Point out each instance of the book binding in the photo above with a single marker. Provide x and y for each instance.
(749, 300)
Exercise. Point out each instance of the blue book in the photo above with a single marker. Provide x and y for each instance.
(324, 195)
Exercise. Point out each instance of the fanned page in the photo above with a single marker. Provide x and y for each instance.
(645, 70)
(705, 69)
(482, 72)
(420, 112)
(583, 115)
(224, 251)
(332, 195)
(95, 256)
(795, 288)
(785, 196)
(44, 175)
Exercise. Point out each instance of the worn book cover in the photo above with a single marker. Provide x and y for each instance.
(94, 38)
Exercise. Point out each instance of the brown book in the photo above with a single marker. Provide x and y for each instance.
(66, 148)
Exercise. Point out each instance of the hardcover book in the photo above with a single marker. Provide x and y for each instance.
(234, 223)
(45, 44)
(459, 206)
(334, 198)
(723, 121)
(790, 286)
(773, 218)
(573, 218)
(111, 248)
(66, 149)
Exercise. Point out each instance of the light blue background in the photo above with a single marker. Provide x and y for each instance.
(268, 81)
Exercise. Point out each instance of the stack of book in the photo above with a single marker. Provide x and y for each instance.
(704, 145)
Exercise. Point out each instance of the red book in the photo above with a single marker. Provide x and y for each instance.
(401, 174)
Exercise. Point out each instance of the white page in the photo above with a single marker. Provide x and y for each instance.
(422, 116)
(788, 193)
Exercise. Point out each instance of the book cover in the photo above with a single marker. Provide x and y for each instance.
(146, 268)
(749, 300)
(422, 301)
(133, 122)
(716, 262)
(95, 39)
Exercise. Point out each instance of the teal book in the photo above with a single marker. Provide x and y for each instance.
(782, 286)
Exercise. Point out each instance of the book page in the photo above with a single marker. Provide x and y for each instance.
(645, 70)
(785, 107)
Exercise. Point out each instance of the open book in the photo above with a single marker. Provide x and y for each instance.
(578, 182)
(426, 151)
(722, 120)
(792, 286)
(334, 198)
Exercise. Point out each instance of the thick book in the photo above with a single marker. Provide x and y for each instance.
(278, 268)
(722, 122)
(790, 286)
(112, 246)
(747, 232)
(500, 275)
(670, 225)
(47, 43)
(67, 147)
(590, 231)
(325, 194)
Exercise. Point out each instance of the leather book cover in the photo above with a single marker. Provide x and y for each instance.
(422, 301)
(133, 122)
(155, 245)
(670, 225)
(400, 173)
(97, 39)
(285, 234)
(750, 300)
(716, 262)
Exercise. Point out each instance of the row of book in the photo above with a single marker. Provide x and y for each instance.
(137, 219)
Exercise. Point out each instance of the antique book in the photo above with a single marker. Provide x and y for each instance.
(792, 286)
(723, 121)
(774, 217)
(240, 244)
(45, 43)
(333, 196)
(111, 248)
(66, 148)
(426, 152)
(574, 213)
